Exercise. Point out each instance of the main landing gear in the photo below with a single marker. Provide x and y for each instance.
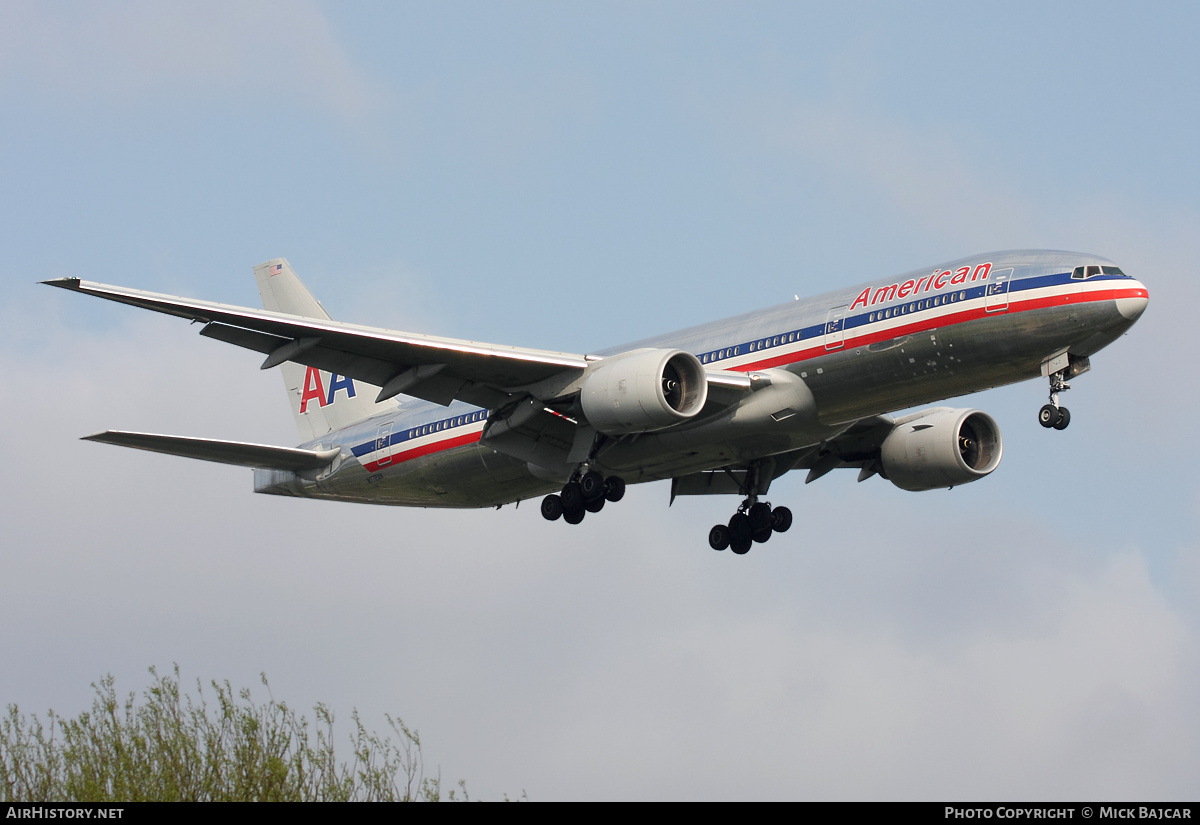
(1052, 415)
(754, 521)
(584, 493)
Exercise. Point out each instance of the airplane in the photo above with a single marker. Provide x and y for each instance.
(721, 408)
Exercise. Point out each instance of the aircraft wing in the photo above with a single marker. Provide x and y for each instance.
(261, 456)
(426, 366)
(856, 446)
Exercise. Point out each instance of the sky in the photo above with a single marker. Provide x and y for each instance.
(568, 177)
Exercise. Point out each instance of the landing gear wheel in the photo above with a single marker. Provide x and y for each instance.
(592, 485)
(614, 488)
(741, 546)
(740, 530)
(1048, 416)
(552, 508)
(594, 505)
(1064, 418)
(718, 537)
(762, 534)
(572, 496)
(574, 516)
(760, 516)
(781, 519)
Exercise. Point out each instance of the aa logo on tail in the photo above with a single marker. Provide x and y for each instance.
(314, 388)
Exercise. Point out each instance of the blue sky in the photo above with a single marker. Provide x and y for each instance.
(569, 177)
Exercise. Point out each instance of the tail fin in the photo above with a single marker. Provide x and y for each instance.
(320, 401)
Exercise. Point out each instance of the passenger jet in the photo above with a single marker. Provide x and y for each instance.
(724, 408)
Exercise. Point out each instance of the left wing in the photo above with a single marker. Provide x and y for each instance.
(425, 366)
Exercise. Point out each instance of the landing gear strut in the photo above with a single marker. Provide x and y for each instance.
(1052, 415)
(586, 492)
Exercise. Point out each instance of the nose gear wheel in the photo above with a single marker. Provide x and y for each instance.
(1052, 415)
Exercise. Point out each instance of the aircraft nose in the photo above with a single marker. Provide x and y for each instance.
(1132, 305)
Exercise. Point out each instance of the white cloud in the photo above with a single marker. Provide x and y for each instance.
(772, 704)
(128, 51)
(926, 178)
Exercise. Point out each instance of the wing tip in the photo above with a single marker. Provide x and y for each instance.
(63, 283)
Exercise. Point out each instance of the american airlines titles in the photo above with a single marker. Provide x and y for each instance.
(934, 281)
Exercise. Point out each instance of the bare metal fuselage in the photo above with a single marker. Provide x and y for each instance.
(916, 339)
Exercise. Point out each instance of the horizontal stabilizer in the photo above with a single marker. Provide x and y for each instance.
(261, 456)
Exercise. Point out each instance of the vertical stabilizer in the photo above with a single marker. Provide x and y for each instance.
(320, 401)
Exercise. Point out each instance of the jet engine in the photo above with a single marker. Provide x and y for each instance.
(643, 390)
(941, 448)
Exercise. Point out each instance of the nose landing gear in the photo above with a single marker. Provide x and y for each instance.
(754, 521)
(1052, 415)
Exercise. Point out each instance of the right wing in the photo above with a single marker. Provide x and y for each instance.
(856, 446)
(262, 456)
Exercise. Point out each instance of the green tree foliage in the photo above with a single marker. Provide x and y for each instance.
(173, 747)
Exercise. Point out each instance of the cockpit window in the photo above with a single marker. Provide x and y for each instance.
(1081, 273)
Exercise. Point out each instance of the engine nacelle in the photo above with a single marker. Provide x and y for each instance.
(643, 390)
(941, 448)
